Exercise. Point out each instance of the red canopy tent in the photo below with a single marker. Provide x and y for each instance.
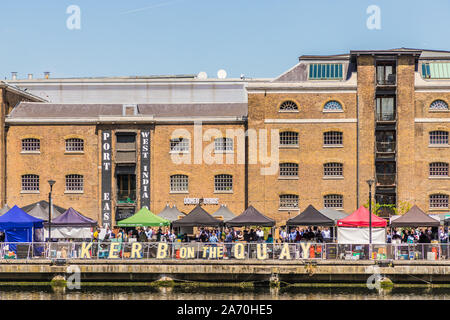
(360, 218)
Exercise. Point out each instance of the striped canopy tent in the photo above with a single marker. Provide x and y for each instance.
(144, 218)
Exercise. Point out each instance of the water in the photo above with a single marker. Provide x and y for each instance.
(219, 293)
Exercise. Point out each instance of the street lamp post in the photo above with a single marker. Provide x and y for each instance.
(51, 183)
(370, 182)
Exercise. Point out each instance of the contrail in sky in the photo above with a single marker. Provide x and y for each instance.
(156, 5)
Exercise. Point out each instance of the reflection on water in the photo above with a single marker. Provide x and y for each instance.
(217, 293)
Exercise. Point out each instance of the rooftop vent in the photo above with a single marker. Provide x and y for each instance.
(129, 110)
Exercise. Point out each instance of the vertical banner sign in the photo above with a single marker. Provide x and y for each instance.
(106, 178)
(145, 168)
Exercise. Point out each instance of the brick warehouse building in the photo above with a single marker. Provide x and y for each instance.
(342, 119)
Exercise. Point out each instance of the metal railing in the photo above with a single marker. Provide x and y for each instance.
(385, 146)
(386, 179)
(224, 251)
(386, 116)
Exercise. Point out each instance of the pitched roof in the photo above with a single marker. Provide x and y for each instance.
(224, 212)
(310, 217)
(16, 217)
(170, 214)
(44, 205)
(251, 217)
(73, 218)
(38, 211)
(360, 218)
(144, 218)
(415, 218)
(198, 217)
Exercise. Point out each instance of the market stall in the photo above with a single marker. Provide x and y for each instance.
(171, 213)
(310, 217)
(198, 217)
(44, 205)
(18, 226)
(144, 218)
(251, 217)
(70, 225)
(39, 212)
(224, 213)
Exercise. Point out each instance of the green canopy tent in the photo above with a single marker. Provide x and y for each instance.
(144, 218)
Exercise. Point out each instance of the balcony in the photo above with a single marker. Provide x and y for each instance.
(386, 179)
(126, 196)
(389, 80)
(386, 146)
(386, 116)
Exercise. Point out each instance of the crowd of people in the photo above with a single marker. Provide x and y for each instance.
(417, 235)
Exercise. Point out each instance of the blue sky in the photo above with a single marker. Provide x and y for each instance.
(258, 38)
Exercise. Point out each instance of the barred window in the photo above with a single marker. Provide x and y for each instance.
(289, 138)
(439, 137)
(439, 105)
(439, 169)
(30, 182)
(223, 144)
(179, 145)
(332, 138)
(223, 182)
(289, 169)
(288, 201)
(179, 183)
(74, 182)
(333, 169)
(31, 144)
(332, 106)
(74, 144)
(439, 201)
(333, 201)
(288, 106)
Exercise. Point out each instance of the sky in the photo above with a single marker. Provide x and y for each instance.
(257, 38)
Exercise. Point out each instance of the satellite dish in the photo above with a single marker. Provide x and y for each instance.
(221, 74)
(202, 75)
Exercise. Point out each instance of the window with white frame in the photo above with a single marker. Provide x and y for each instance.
(438, 169)
(74, 145)
(223, 145)
(30, 182)
(333, 169)
(288, 139)
(288, 169)
(179, 145)
(31, 145)
(74, 183)
(439, 137)
(179, 183)
(332, 106)
(439, 201)
(439, 105)
(288, 201)
(332, 138)
(335, 201)
(223, 183)
(288, 106)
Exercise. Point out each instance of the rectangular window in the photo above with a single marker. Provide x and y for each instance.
(223, 145)
(179, 145)
(30, 182)
(439, 137)
(333, 201)
(332, 138)
(74, 182)
(31, 145)
(325, 71)
(126, 184)
(438, 169)
(333, 169)
(386, 109)
(289, 169)
(288, 139)
(179, 183)
(439, 201)
(436, 70)
(223, 182)
(289, 201)
(74, 145)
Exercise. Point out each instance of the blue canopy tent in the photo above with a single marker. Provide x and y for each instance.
(19, 226)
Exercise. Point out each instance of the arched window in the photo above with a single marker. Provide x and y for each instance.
(31, 145)
(332, 138)
(288, 105)
(288, 139)
(74, 183)
(74, 145)
(288, 201)
(439, 201)
(333, 201)
(332, 106)
(438, 169)
(223, 182)
(289, 169)
(179, 183)
(30, 182)
(439, 105)
(439, 137)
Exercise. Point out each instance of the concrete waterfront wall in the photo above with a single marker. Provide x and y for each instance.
(303, 271)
